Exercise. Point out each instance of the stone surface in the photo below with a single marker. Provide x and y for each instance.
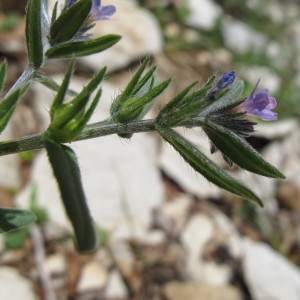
(56, 264)
(177, 211)
(198, 231)
(195, 291)
(115, 288)
(275, 130)
(268, 274)
(13, 286)
(212, 243)
(241, 37)
(120, 177)
(202, 14)
(93, 277)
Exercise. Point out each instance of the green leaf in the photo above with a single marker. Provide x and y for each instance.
(61, 94)
(66, 170)
(8, 104)
(134, 108)
(198, 161)
(12, 219)
(76, 49)
(69, 22)
(229, 99)
(40, 212)
(3, 68)
(239, 151)
(15, 240)
(33, 33)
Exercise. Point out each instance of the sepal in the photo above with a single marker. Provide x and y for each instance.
(69, 119)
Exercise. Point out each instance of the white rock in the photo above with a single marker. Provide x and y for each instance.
(197, 233)
(93, 277)
(131, 229)
(56, 264)
(268, 274)
(203, 14)
(269, 79)
(141, 36)
(214, 274)
(174, 165)
(228, 232)
(279, 129)
(120, 177)
(115, 288)
(240, 37)
(13, 286)
(201, 230)
(177, 211)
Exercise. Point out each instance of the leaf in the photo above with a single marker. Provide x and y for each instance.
(66, 170)
(8, 104)
(65, 27)
(199, 162)
(33, 33)
(60, 96)
(229, 99)
(135, 108)
(76, 49)
(3, 68)
(12, 219)
(239, 151)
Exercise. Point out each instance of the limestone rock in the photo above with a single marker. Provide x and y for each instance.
(268, 274)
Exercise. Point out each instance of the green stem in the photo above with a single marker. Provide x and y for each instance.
(35, 142)
(26, 77)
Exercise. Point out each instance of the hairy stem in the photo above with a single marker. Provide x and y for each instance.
(34, 142)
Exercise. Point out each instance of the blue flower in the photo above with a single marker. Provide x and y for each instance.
(98, 11)
(260, 105)
(225, 81)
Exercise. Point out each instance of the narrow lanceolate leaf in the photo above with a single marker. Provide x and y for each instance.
(8, 104)
(67, 173)
(239, 151)
(69, 22)
(3, 68)
(60, 96)
(33, 32)
(12, 219)
(229, 99)
(198, 161)
(76, 49)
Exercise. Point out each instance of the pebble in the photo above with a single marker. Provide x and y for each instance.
(13, 286)
(268, 274)
(195, 291)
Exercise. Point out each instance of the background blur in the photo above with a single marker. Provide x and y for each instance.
(167, 234)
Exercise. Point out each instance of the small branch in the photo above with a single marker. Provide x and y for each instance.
(34, 142)
(39, 256)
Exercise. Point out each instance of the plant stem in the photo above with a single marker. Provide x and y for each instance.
(34, 142)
